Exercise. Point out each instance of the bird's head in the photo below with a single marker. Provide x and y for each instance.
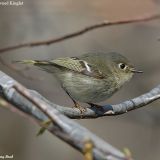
(121, 67)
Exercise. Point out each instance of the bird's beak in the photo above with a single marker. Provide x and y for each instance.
(136, 71)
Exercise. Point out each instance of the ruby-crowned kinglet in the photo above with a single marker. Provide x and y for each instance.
(89, 78)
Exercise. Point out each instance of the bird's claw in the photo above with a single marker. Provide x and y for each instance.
(81, 109)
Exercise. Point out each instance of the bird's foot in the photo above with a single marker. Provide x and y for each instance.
(81, 109)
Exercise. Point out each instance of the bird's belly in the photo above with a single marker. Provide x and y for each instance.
(86, 89)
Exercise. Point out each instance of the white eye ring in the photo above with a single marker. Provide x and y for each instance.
(122, 66)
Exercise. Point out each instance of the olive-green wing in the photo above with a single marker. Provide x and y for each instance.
(78, 65)
(68, 63)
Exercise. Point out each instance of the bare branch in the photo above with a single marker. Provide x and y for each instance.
(63, 127)
(81, 32)
(106, 110)
(92, 112)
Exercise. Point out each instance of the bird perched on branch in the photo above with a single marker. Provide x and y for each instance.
(89, 78)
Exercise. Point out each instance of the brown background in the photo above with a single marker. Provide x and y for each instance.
(39, 20)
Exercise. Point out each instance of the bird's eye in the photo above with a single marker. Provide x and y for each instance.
(122, 66)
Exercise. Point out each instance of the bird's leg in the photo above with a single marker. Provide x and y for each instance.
(77, 105)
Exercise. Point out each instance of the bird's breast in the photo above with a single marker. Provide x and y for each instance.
(86, 89)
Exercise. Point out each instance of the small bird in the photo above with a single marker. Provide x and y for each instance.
(89, 78)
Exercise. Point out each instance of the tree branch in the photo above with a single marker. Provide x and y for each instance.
(63, 127)
(36, 106)
(81, 32)
(74, 113)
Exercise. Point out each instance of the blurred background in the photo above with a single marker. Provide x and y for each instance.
(138, 130)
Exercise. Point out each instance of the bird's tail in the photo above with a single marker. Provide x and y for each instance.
(43, 65)
(33, 62)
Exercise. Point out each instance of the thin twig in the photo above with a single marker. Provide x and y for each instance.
(81, 32)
